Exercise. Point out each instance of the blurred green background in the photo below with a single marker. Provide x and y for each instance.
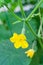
(10, 24)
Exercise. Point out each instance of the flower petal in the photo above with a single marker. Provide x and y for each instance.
(15, 35)
(25, 44)
(17, 44)
(22, 37)
(30, 53)
(12, 39)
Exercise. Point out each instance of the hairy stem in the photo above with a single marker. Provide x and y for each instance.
(21, 7)
(40, 29)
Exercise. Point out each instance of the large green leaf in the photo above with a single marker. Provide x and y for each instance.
(9, 19)
(11, 56)
(8, 54)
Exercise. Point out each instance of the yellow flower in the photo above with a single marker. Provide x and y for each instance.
(22, 37)
(17, 44)
(30, 53)
(14, 37)
(19, 40)
(24, 44)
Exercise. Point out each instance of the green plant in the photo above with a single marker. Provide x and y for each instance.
(31, 26)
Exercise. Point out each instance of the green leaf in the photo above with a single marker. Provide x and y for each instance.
(4, 34)
(11, 56)
(14, 27)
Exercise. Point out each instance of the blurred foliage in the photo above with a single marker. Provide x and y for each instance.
(9, 24)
